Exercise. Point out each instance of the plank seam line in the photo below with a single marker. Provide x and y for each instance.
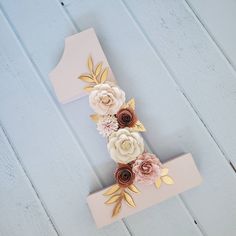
(127, 227)
(178, 197)
(233, 167)
(65, 12)
(142, 32)
(181, 90)
(190, 8)
(28, 178)
(77, 29)
(184, 204)
(195, 220)
(55, 104)
(210, 36)
(45, 87)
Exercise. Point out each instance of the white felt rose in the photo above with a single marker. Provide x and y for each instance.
(106, 99)
(125, 145)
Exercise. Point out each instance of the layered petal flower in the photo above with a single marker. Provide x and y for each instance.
(124, 175)
(147, 168)
(125, 145)
(126, 117)
(106, 99)
(107, 125)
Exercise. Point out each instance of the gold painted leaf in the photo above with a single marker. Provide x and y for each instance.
(123, 106)
(131, 103)
(158, 183)
(133, 188)
(113, 199)
(104, 76)
(98, 69)
(86, 78)
(90, 64)
(139, 127)
(167, 179)
(116, 209)
(94, 117)
(164, 171)
(112, 190)
(88, 88)
(129, 199)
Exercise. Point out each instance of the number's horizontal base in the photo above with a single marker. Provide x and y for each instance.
(182, 169)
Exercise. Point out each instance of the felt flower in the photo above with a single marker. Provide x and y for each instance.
(125, 145)
(107, 125)
(147, 168)
(106, 98)
(126, 117)
(124, 175)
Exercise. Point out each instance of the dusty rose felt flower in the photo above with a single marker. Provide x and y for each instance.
(147, 168)
(124, 175)
(106, 99)
(126, 117)
(107, 125)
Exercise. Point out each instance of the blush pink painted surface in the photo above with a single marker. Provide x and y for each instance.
(182, 169)
(73, 63)
(68, 87)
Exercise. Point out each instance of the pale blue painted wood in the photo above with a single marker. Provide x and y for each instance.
(19, 205)
(218, 18)
(204, 76)
(52, 160)
(165, 227)
(49, 152)
(173, 125)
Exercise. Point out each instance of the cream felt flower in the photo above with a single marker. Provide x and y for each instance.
(106, 99)
(125, 145)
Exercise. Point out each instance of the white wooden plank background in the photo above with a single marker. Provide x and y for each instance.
(185, 88)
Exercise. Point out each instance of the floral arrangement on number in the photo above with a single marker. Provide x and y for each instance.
(117, 121)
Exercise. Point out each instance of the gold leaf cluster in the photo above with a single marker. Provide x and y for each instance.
(118, 194)
(138, 127)
(165, 178)
(94, 117)
(96, 75)
(131, 103)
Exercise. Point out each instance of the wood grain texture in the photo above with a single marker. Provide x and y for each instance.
(218, 18)
(202, 74)
(19, 204)
(60, 157)
(81, 125)
(49, 152)
(172, 124)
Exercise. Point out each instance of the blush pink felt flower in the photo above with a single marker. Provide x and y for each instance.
(107, 125)
(147, 168)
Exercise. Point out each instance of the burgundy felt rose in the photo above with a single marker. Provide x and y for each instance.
(126, 117)
(124, 175)
(147, 168)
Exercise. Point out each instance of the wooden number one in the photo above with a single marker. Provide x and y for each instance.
(67, 87)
